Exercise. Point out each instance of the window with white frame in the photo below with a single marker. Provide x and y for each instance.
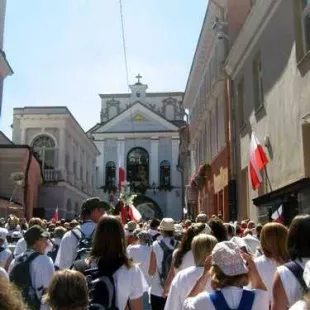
(258, 82)
(44, 146)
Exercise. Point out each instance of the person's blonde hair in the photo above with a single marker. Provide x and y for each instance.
(220, 280)
(67, 291)
(10, 296)
(202, 246)
(273, 238)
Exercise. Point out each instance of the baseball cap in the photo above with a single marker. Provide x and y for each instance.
(3, 233)
(92, 203)
(35, 233)
(227, 256)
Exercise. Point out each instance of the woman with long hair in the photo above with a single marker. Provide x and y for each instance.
(288, 285)
(273, 246)
(109, 255)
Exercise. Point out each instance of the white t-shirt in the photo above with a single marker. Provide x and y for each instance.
(156, 288)
(181, 285)
(187, 261)
(3, 273)
(291, 285)
(266, 269)
(141, 255)
(232, 296)
(299, 305)
(4, 256)
(41, 270)
(67, 253)
(129, 283)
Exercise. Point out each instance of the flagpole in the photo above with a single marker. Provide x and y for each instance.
(268, 180)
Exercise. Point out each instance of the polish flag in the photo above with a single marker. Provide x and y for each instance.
(258, 160)
(55, 216)
(134, 213)
(277, 216)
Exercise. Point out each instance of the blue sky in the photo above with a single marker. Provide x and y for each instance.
(66, 52)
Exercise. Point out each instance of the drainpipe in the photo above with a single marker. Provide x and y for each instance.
(222, 8)
(181, 171)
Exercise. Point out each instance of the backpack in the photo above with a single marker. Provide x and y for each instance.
(53, 253)
(166, 262)
(219, 302)
(20, 276)
(154, 238)
(101, 288)
(84, 243)
(297, 271)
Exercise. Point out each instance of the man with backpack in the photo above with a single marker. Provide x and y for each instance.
(77, 242)
(160, 262)
(32, 271)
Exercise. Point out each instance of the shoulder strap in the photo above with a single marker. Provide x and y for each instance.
(297, 271)
(218, 300)
(77, 233)
(164, 246)
(32, 257)
(247, 300)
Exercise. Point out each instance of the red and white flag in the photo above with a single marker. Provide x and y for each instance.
(277, 216)
(55, 216)
(121, 173)
(258, 161)
(134, 213)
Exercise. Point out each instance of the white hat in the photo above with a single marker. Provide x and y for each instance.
(166, 224)
(307, 274)
(3, 233)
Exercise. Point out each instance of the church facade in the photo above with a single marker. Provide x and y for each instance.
(138, 133)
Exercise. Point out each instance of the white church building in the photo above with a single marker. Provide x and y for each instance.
(139, 132)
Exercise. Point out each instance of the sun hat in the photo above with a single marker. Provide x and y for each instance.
(307, 274)
(166, 224)
(130, 226)
(35, 233)
(227, 256)
(3, 233)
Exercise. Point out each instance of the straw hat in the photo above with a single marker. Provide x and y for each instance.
(166, 224)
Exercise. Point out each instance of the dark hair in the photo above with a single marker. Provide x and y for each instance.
(186, 242)
(298, 241)
(218, 229)
(154, 223)
(109, 245)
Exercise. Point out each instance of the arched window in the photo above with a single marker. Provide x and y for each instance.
(165, 179)
(138, 166)
(45, 148)
(110, 173)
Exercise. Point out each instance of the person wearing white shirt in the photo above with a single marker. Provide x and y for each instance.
(108, 254)
(3, 273)
(230, 271)
(91, 211)
(251, 241)
(41, 267)
(5, 254)
(287, 289)
(273, 246)
(166, 228)
(185, 279)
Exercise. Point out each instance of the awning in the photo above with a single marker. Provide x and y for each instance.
(280, 193)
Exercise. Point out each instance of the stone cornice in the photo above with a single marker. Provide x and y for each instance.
(249, 35)
(135, 135)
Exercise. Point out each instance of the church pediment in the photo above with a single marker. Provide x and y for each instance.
(138, 118)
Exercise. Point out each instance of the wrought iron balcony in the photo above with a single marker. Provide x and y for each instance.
(51, 175)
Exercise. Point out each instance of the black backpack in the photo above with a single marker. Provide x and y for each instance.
(20, 276)
(84, 243)
(101, 288)
(166, 262)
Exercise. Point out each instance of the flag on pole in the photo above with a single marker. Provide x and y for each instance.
(277, 216)
(134, 213)
(121, 172)
(258, 161)
(55, 216)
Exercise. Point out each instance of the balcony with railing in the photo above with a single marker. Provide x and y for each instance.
(52, 175)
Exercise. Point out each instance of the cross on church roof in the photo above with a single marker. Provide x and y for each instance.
(138, 77)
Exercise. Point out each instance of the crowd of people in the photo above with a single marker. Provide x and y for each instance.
(100, 262)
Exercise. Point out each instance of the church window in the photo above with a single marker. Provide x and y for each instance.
(110, 170)
(138, 166)
(44, 146)
(165, 173)
(112, 111)
(170, 109)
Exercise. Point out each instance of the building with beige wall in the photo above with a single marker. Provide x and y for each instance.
(67, 155)
(268, 65)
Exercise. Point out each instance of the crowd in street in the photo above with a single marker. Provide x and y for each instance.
(100, 262)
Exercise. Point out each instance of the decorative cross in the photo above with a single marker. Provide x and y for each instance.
(139, 77)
